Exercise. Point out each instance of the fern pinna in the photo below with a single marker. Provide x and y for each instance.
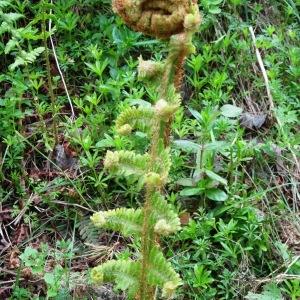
(175, 20)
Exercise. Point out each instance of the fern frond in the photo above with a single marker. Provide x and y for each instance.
(125, 274)
(5, 27)
(126, 163)
(26, 58)
(162, 274)
(11, 44)
(150, 70)
(165, 218)
(134, 118)
(11, 17)
(126, 221)
(164, 110)
(162, 165)
(173, 97)
(88, 232)
(4, 4)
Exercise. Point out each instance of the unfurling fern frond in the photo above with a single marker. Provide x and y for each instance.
(164, 110)
(150, 70)
(134, 119)
(125, 273)
(172, 97)
(163, 163)
(162, 274)
(166, 219)
(126, 221)
(126, 163)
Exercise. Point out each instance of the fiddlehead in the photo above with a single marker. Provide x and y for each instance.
(158, 18)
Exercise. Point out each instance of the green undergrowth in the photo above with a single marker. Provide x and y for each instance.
(235, 169)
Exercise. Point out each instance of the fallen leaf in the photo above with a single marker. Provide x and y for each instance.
(231, 111)
(185, 218)
(251, 121)
(14, 261)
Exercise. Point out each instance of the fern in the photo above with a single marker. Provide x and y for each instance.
(12, 43)
(126, 221)
(166, 219)
(4, 27)
(11, 17)
(126, 163)
(88, 232)
(18, 35)
(135, 119)
(125, 273)
(142, 277)
(161, 273)
(26, 58)
(4, 4)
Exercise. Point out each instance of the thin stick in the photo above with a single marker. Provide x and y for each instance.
(267, 83)
(262, 68)
(49, 79)
(59, 69)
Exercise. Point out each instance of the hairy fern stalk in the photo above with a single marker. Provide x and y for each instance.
(175, 20)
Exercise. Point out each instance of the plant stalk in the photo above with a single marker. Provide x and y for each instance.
(49, 80)
(161, 131)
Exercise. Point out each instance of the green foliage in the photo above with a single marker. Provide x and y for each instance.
(125, 273)
(34, 259)
(135, 119)
(126, 221)
(127, 163)
(161, 271)
(25, 58)
(271, 292)
(234, 183)
(55, 278)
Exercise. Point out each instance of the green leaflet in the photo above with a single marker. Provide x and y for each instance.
(160, 270)
(124, 220)
(25, 58)
(162, 210)
(4, 3)
(129, 221)
(163, 163)
(126, 163)
(137, 118)
(125, 273)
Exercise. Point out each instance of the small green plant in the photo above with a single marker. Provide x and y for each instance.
(141, 277)
(57, 277)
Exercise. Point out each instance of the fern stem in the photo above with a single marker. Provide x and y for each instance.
(146, 291)
(173, 75)
(161, 131)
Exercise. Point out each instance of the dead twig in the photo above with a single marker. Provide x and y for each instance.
(270, 97)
